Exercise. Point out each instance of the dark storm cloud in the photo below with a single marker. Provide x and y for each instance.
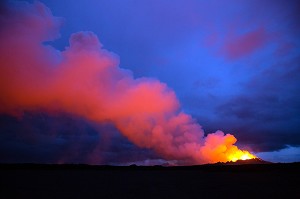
(270, 112)
(61, 138)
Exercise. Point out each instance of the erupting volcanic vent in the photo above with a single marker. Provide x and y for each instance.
(85, 80)
(241, 155)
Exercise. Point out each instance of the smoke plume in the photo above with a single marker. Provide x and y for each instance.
(85, 80)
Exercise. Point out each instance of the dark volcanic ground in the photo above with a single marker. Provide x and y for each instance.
(206, 181)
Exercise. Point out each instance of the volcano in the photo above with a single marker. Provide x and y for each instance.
(242, 162)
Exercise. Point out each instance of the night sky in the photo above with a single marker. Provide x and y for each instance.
(139, 81)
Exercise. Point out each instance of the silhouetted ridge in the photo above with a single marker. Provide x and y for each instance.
(241, 162)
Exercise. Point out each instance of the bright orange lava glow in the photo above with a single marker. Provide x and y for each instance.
(241, 155)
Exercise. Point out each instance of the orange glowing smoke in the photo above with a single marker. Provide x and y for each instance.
(85, 80)
(240, 155)
(220, 148)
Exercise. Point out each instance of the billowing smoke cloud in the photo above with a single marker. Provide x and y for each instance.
(85, 80)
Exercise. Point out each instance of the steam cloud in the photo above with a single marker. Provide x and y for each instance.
(85, 80)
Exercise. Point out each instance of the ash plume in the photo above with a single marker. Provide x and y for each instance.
(85, 80)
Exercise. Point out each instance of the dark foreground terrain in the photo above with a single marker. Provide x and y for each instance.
(205, 181)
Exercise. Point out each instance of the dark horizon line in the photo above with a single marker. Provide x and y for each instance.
(203, 167)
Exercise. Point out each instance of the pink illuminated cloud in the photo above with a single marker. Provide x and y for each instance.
(85, 80)
(245, 44)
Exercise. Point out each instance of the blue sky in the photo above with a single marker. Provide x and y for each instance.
(234, 66)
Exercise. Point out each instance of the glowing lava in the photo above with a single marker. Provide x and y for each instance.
(241, 155)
